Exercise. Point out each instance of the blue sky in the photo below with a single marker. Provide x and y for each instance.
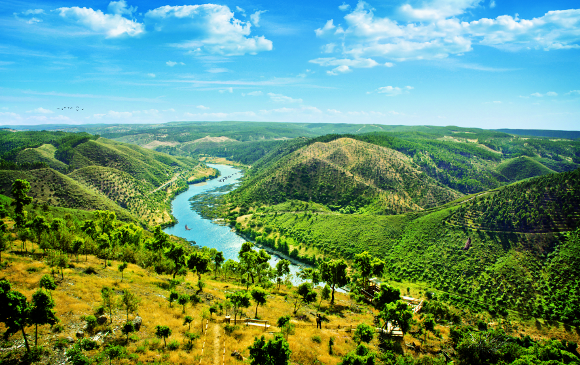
(488, 64)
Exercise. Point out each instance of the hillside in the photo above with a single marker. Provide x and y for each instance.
(101, 174)
(346, 173)
(514, 233)
(521, 168)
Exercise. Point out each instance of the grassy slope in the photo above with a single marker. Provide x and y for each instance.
(44, 153)
(521, 168)
(345, 170)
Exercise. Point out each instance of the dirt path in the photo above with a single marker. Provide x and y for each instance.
(217, 348)
(165, 184)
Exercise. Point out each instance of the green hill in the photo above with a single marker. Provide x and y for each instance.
(45, 153)
(521, 168)
(346, 173)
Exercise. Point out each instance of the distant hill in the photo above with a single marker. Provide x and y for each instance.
(347, 173)
(521, 168)
(542, 133)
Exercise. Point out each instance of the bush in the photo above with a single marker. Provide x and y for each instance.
(316, 339)
(364, 333)
(87, 344)
(57, 328)
(91, 322)
(173, 345)
(90, 271)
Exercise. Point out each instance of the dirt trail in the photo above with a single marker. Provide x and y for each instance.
(217, 349)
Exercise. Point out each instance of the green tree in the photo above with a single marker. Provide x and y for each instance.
(334, 273)
(239, 299)
(163, 332)
(274, 352)
(104, 243)
(62, 263)
(14, 311)
(364, 333)
(248, 259)
(127, 329)
(282, 269)
(182, 300)
(387, 294)
(176, 253)
(172, 297)
(41, 312)
(199, 262)
(129, 302)
(76, 246)
(324, 294)
(107, 295)
(218, 260)
(187, 321)
(363, 264)
(122, 268)
(114, 352)
(428, 324)
(4, 242)
(39, 225)
(303, 295)
(360, 356)
(260, 296)
(398, 314)
(19, 190)
(47, 283)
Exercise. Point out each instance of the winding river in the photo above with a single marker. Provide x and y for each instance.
(205, 232)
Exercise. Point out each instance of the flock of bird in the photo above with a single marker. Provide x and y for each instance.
(69, 108)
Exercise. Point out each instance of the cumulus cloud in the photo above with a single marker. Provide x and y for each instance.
(256, 17)
(571, 92)
(33, 12)
(112, 25)
(343, 65)
(279, 98)
(240, 10)
(202, 107)
(41, 111)
(171, 63)
(151, 75)
(549, 93)
(492, 4)
(433, 31)
(228, 90)
(209, 28)
(120, 7)
(344, 6)
(394, 90)
(253, 93)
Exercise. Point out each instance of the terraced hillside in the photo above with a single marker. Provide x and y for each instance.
(102, 174)
(346, 172)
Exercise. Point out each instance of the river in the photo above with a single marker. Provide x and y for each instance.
(205, 232)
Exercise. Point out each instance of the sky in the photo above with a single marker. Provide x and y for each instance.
(470, 63)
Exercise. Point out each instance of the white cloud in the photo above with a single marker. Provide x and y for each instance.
(34, 20)
(344, 6)
(343, 65)
(256, 17)
(240, 10)
(209, 28)
(228, 90)
(253, 93)
(113, 25)
(33, 12)
(577, 92)
(216, 70)
(279, 98)
(551, 93)
(202, 107)
(171, 63)
(328, 48)
(326, 29)
(434, 31)
(41, 111)
(151, 74)
(537, 95)
(492, 4)
(120, 7)
(394, 91)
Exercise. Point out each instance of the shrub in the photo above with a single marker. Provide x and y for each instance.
(87, 344)
(316, 339)
(173, 345)
(90, 271)
(91, 322)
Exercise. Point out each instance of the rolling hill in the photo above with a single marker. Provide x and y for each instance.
(521, 168)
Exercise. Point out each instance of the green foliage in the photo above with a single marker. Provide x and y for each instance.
(260, 297)
(360, 356)
(274, 352)
(387, 294)
(14, 311)
(163, 332)
(41, 311)
(334, 273)
(239, 299)
(364, 333)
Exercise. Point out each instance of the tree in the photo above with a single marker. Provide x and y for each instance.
(248, 259)
(199, 262)
(239, 299)
(364, 333)
(172, 297)
(130, 302)
(114, 352)
(218, 260)
(274, 352)
(282, 269)
(104, 243)
(304, 295)
(39, 225)
(76, 246)
(108, 300)
(127, 329)
(324, 294)
(387, 294)
(363, 265)
(122, 268)
(47, 283)
(19, 190)
(260, 297)
(360, 356)
(334, 274)
(187, 321)
(428, 324)
(163, 332)
(176, 253)
(41, 311)
(398, 314)
(62, 263)
(182, 300)
(14, 311)
(3, 240)
(230, 266)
